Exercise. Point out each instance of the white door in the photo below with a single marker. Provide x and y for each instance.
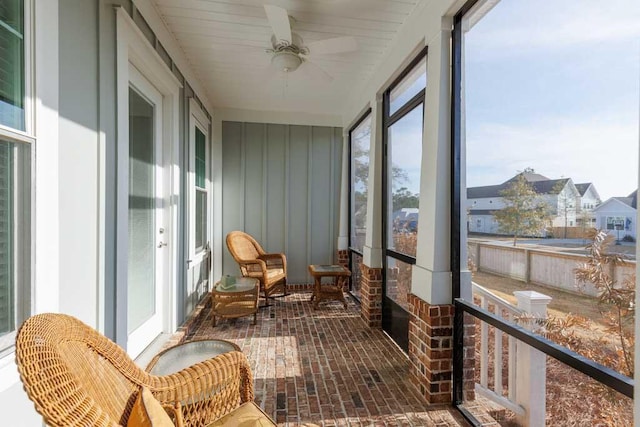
(147, 235)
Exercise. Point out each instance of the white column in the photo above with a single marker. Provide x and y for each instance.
(431, 277)
(372, 251)
(345, 182)
(531, 375)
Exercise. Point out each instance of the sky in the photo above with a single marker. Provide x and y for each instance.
(555, 86)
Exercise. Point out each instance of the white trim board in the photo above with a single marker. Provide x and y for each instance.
(277, 117)
(132, 48)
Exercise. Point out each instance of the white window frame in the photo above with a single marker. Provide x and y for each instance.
(197, 118)
(24, 173)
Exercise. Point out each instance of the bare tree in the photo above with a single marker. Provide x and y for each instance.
(523, 214)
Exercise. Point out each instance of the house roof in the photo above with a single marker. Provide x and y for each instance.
(406, 214)
(529, 176)
(634, 199)
(626, 200)
(540, 183)
(630, 200)
(582, 188)
(617, 203)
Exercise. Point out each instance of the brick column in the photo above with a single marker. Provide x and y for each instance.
(371, 296)
(469, 357)
(431, 349)
(343, 257)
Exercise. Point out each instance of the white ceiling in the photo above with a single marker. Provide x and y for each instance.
(225, 42)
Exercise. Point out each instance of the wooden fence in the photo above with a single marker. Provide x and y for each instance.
(542, 267)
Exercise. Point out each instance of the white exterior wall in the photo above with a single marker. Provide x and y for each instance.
(486, 203)
(79, 157)
(614, 208)
(483, 224)
(14, 404)
(75, 109)
(590, 200)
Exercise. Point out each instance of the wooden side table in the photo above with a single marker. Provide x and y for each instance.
(238, 301)
(328, 291)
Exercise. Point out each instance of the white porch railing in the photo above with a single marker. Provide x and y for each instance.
(526, 368)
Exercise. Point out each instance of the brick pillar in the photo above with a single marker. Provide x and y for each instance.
(343, 257)
(371, 296)
(431, 349)
(469, 357)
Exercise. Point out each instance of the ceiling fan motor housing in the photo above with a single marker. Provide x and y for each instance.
(296, 45)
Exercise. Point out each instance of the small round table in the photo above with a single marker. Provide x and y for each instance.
(183, 355)
(239, 300)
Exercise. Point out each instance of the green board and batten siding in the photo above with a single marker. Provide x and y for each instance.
(281, 184)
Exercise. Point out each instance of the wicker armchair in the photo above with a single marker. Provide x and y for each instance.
(78, 377)
(270, 269)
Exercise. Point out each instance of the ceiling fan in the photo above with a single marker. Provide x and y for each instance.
(288, 50)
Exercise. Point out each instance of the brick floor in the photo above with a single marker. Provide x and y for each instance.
(325, 366)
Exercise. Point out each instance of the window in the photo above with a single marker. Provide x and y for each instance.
(199, 182)
(201, 190)
(12, 81)
(15, 176)
(537, 92)
(403, 104)
(360, 144)
(615, 223)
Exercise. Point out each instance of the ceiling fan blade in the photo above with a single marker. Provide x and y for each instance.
(279, 21)
(312, 71)
(335, 45)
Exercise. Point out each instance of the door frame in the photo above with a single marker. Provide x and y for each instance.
(137, 339)
(133, 49)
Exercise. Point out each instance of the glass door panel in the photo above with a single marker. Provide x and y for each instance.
(142, 209)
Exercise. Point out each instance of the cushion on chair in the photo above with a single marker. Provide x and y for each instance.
(275, 273)
(246, 415)
(148, 412)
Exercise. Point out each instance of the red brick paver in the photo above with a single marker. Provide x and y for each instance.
(326, 366)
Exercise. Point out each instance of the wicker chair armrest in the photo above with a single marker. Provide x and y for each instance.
(249, 263)
(275, 259)
(207, 390)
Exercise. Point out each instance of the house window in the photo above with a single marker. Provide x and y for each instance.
(199, 180)
(615, 223)
(201, 189)
(12, 81)
(403, 104)
(359, 147)
(15, 176)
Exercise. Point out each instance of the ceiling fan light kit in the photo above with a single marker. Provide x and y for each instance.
(286, 61)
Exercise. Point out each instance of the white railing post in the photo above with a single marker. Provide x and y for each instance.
(531, 375)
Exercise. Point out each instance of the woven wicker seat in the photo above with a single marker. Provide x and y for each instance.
(78, 377)
(270, 269)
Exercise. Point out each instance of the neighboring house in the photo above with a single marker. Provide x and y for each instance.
(589, 200)
(561, 195)
(589, 197)
(618, 215)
